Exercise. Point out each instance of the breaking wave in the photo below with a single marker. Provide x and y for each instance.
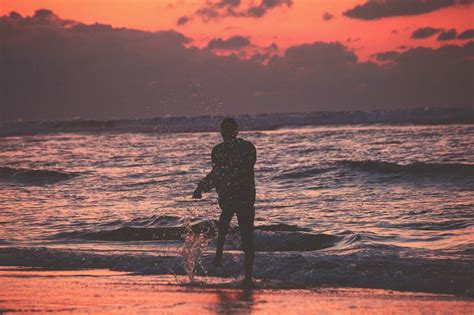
(268, 238)
(33, 176)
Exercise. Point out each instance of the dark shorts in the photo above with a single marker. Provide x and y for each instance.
(245, 216)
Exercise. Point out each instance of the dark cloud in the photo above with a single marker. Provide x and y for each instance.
(377, 9)
(59, 69)
(260, 10)
(15, 15)
(447, 35)
(232, 43)
(260, 58)
(467, 34)
(264, 54)
(327, 16)
(330, 74)
(44, 14)
(182, 20)
(272, 48)
(425, 32)
(387, 55)
(308, 55)
(234, 8)
(227, 3)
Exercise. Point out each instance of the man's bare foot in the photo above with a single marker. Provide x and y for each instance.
(217, 262)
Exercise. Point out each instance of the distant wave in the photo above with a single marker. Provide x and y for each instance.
(437, 225)
(33, 176)
(364, 269)
(418, 168)
(248, 122)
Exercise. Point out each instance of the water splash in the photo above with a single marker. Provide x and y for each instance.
(194, 246)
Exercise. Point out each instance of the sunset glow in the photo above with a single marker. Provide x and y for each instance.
(300, 23)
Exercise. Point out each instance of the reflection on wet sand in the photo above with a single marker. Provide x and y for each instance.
(235, 301)
(109, 292)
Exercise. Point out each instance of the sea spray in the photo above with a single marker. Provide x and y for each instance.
(194, 245)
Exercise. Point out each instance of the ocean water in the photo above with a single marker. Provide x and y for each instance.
(383, 206)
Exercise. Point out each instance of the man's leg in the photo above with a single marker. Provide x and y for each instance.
(246, 216)
(222, 230)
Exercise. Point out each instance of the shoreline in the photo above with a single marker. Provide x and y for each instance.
(103, 291)
(290, 271)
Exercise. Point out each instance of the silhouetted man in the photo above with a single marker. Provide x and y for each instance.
(233, 177)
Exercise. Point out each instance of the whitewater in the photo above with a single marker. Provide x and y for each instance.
(373, 205)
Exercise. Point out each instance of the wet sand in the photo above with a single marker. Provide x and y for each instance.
(25, 290)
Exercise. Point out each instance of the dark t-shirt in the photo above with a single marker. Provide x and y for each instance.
(232, 171)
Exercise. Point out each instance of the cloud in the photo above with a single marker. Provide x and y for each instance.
(467, 34)
(243, 47)
(59, 69)
(272, 48)
(377, 9)
(327, 16)
(307, 55)
(232, 43)
(234, 8)
(425, 32)
(447, 35)
(387, 55)
(435, 77)
(264, 54)
(44, 14)
(183, 20)
(258, 11)
(330, 74)
(15, 16)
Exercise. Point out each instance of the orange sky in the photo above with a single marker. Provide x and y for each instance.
(301, 23)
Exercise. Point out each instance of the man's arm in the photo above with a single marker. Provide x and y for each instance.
(208, 182)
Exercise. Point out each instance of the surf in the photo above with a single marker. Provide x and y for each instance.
(268, 238)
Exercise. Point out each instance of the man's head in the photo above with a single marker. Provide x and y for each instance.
(229, 129)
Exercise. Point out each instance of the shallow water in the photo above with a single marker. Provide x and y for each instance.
(335, 205)
(106, 292)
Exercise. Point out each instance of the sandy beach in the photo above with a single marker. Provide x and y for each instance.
(26, 290)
